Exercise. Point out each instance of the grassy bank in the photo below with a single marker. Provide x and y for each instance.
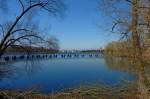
(82, 92)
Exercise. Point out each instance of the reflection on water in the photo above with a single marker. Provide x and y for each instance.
(7, 71)
(138, 68)
(121, 64)
(58, 74)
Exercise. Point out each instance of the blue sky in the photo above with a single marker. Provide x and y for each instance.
(83, 27)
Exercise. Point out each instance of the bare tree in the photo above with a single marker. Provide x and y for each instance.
(52, 43)
(129, 18)
(137, 26)
(24, 29)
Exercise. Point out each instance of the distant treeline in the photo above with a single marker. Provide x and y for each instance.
(125, 49)
(119, 48)
(30, 49)
(98, 50)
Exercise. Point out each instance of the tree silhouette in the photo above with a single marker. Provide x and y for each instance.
(23, 30)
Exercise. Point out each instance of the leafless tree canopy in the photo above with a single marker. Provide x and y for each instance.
(129, 18)
(132, 19)
(119, 14)
(19, 21)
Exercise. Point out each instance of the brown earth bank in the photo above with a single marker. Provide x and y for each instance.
(86, 92)
(64, 95)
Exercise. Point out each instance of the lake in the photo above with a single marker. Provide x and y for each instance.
(52, 75)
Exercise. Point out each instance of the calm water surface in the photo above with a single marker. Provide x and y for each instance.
(58, 74)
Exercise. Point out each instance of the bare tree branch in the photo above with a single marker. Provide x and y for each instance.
(3, 32)
(129, 1)
(18, 30)
(21, 3)
(16, 21)
(12, 41)
(53, 7)
(118, 22)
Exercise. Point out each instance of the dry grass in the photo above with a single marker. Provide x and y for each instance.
(82, 92)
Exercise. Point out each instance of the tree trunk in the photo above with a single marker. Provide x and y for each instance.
(142, 85)
(137, 52)
(135, 35)
(148, 15)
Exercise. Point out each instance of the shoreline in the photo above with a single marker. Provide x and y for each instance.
(82, 92)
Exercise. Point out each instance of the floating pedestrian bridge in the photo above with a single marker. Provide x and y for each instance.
(15, 57)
